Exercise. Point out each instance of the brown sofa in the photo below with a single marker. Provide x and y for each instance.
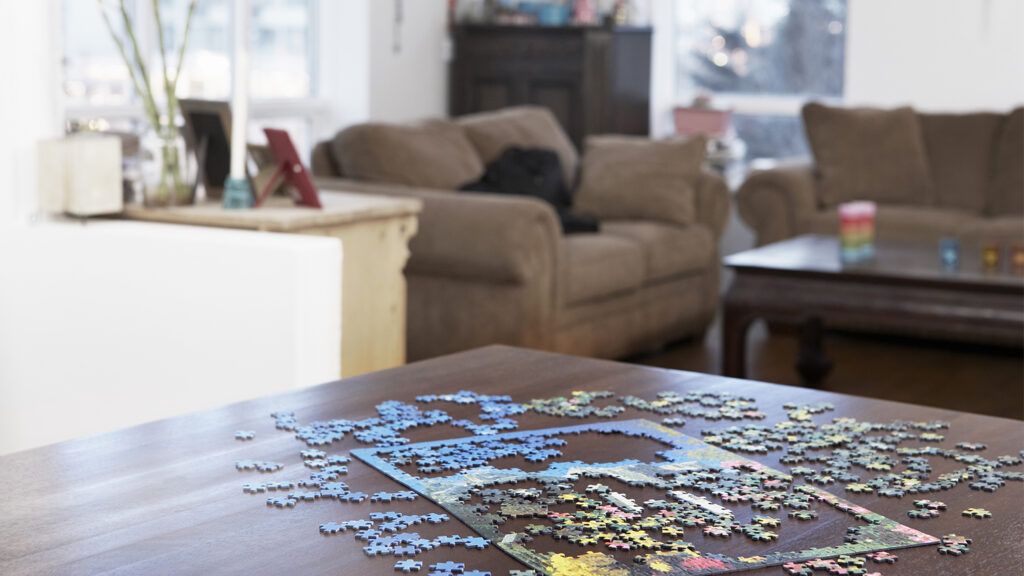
(932, 175)
(488, 268)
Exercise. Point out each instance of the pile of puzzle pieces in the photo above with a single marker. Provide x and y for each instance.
(863, 457)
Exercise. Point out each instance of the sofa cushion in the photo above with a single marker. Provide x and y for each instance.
(524, 126)
(1001, 229)
(432, 154)
(895, 222)
(868, 154)
(960, 148)
(1006, 194)
(595, 266)
(669, 251)
(635, 178)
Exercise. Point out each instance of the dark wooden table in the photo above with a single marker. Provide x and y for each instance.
(903, 290)
(164, 497)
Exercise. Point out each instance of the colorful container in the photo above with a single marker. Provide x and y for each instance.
(857, 231)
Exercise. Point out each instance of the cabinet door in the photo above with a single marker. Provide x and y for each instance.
(496, 67)
(490, 93)
(561, 96)
(629, 84)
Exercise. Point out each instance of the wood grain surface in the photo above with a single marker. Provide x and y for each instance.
(281, 214)
(165, 498)
(894, 261)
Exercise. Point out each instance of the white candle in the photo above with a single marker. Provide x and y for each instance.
(240, 91)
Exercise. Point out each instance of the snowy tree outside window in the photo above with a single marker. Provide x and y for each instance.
(764, 58)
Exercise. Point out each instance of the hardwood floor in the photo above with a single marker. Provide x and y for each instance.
(972, 379)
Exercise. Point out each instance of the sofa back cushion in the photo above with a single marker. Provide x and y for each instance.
(322, 161)
(523, 126)
(431, 154)
(635, 178)
(1006, 190)
(868, 154)
(960, 148)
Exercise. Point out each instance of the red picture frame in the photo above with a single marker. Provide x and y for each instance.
(289, 167)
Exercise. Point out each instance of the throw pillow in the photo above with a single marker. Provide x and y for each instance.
(868, 154)
(960, 151)
(525, 127)
(628, 177)
(432, 154)
(1006, 193)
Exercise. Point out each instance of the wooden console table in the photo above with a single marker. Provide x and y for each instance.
(374, 232)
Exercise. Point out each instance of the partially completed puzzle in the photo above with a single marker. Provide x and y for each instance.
(577, 519)
(695, 480)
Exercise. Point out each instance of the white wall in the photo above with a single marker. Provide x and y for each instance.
(411, 83)
(365, 78)
(663, 67)
(110, 324)
(344, 61)
(30, 103)
(936, 54)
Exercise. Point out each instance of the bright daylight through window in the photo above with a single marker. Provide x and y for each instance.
(99, 92)
(762, 59)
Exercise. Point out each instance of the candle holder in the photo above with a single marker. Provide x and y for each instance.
(237, 194)
(990, 255)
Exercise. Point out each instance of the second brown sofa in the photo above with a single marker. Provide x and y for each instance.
(488, 269)
(932, 175)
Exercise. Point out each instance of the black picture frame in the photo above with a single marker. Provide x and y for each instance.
(208, 136)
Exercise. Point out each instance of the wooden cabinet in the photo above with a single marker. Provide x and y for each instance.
(595, 80)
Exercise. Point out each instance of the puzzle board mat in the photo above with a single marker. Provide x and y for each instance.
(685, 458)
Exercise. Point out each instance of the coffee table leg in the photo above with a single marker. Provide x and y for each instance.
(735, 323)
(812, 364)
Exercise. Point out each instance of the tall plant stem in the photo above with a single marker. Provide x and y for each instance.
(165, 79)
(184, 43)
(133, 72)
(170, 164)
(170, 182)
(147, 96)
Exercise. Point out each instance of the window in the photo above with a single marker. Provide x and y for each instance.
(763, 59)
(282, 74)
(93, 72)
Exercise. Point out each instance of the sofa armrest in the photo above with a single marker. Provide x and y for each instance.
(712, 198)
(772, 201)
(471, 236)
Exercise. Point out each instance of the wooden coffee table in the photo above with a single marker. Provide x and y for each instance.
(165, 498)
(903, 290)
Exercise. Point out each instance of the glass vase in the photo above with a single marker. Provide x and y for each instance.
(165, 168)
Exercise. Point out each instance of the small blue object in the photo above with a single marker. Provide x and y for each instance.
(448, 540)
(949, 253)
(408, 566)
(476, 543)
(553, 14)
(448, 567)
(237, 194)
